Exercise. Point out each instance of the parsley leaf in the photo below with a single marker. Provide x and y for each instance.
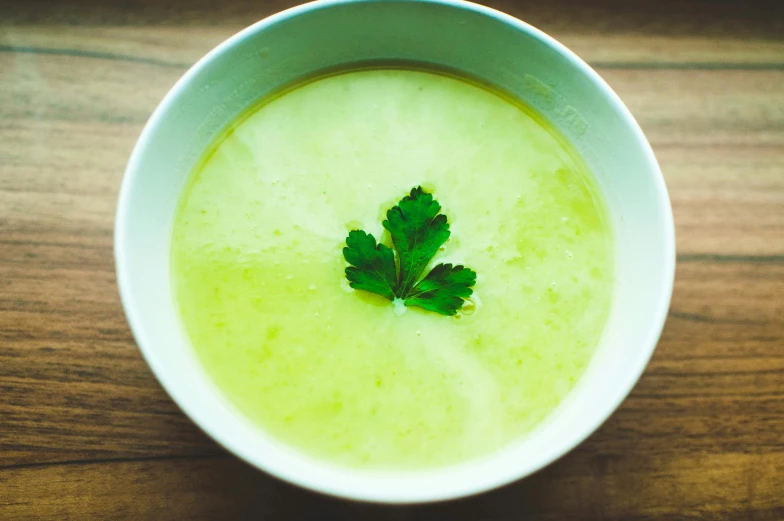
(418, 230)
(443, 289)
(372, 266)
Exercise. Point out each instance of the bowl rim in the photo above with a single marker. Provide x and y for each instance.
(335, 487)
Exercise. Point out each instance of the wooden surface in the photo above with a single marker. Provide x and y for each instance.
(87, 433)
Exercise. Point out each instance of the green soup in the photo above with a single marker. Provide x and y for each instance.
(334, 372)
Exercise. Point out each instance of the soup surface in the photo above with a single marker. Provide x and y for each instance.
(259, 276)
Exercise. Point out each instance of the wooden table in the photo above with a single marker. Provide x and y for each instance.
(86, 432)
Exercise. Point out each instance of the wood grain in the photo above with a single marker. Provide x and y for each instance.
(87, 433)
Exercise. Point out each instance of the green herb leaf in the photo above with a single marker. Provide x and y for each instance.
(418, 230)
(443, 290)
(372, 265)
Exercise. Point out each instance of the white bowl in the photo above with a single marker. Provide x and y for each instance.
(482, 43)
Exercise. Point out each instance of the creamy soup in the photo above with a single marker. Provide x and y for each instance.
(337, 373)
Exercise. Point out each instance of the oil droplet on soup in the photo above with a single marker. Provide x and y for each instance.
(336, 373)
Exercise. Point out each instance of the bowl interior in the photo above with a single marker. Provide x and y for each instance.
(479, 42)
